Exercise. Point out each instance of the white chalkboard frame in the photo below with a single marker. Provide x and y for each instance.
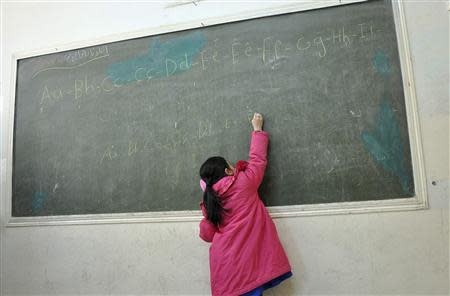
(419, 201)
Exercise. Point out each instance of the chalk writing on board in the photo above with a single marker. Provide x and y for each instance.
(109, 154)
(86, 53)
(270, 51)
(163, 58)
(84, 56)
(133, 146)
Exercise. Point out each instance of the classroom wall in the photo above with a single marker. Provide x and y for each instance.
(377, 253)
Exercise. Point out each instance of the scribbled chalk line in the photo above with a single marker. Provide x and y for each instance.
(68, 68)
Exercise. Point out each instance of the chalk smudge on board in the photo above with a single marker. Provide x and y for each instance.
(163, 59)
(38, 201)
(381, 63)
(385, 146)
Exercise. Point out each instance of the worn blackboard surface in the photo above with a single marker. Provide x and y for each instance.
(125, 126)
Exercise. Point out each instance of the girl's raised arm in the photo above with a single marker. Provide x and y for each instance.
(258, 151)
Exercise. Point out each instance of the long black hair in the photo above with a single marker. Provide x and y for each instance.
(211, 171)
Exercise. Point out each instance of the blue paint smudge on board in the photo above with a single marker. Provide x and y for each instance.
(385, 146)
(381, 63)
(38, 201)
(163, 59)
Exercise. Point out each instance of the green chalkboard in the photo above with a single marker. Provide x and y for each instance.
(124, 126)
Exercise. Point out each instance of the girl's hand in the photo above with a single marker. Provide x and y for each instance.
(257, 122)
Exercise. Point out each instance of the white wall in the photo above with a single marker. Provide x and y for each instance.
(379, 253)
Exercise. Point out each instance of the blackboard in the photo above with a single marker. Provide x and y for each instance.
(124, 126)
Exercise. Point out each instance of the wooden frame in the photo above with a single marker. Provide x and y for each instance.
(420, 201)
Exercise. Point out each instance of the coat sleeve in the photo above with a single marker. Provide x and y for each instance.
(207, 229)
(258, 157)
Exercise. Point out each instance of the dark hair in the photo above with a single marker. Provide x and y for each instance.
(211, 171)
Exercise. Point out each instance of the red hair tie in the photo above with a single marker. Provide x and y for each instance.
(241, 165)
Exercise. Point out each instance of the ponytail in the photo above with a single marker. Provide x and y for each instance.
(211, 171)
(213, 205)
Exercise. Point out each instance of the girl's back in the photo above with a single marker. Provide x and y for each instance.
(246, 252)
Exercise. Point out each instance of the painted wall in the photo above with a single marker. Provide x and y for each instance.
(379, 253)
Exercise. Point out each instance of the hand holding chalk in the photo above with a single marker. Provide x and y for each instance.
(257, 122)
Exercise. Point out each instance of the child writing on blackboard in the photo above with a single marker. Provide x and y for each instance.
(246, 256)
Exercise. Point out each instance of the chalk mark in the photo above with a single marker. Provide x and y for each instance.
(68, 68)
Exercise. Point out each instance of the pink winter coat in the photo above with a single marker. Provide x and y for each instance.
(245, 252)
